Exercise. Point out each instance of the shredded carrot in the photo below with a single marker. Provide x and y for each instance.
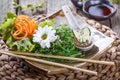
(23, 28)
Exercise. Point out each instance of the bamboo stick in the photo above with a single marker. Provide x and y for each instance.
(66, 58)
(48, 62)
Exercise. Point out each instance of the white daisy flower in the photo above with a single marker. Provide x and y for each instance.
(44, 36)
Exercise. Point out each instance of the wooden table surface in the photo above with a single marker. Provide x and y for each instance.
(51, 6)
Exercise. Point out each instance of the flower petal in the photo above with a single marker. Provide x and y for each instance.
(51, 37)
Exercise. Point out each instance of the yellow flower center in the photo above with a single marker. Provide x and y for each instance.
(44, 36)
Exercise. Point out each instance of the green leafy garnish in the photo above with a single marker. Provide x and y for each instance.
(6, 26)
(24, 45)
(47, 22)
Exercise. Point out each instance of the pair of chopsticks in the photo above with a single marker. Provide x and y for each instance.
(26, 56)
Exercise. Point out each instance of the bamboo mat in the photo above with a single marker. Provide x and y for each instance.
(12, 68)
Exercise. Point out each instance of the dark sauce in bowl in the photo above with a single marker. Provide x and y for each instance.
(96, 9)
(99, 10)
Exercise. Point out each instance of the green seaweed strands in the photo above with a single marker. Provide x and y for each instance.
(64, 46)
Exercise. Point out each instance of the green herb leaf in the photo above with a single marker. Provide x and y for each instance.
(47, 22)
(22, 45)
(50, 22)
(6, 27)
(42, 24)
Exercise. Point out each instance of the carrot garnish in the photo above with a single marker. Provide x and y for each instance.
(23, 28)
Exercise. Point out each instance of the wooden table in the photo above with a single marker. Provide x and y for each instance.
(105, 72)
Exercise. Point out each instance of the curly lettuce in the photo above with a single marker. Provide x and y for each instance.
(6, 27)
(5, 30)
(24, 45)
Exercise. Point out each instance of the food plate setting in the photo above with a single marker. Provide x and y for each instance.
(54, 46)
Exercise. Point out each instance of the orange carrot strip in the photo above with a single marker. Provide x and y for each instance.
(23, 28)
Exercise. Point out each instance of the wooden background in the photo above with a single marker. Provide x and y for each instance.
(49, 7)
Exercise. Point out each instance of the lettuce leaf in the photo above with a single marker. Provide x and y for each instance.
(24, 45)
(6, 26)
(47, 22)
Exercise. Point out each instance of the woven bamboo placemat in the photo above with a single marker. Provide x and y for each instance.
(12, 68)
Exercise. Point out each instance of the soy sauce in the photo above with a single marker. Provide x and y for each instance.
(99, 10)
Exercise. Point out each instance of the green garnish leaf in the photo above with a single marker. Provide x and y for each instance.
(42, 24)
(47, 22)
(24, 45)
(6, 25)
(50, 22)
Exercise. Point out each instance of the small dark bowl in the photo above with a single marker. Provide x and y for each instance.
(85, 5)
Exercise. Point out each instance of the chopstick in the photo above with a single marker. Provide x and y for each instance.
(66, 58)
(48, 62)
